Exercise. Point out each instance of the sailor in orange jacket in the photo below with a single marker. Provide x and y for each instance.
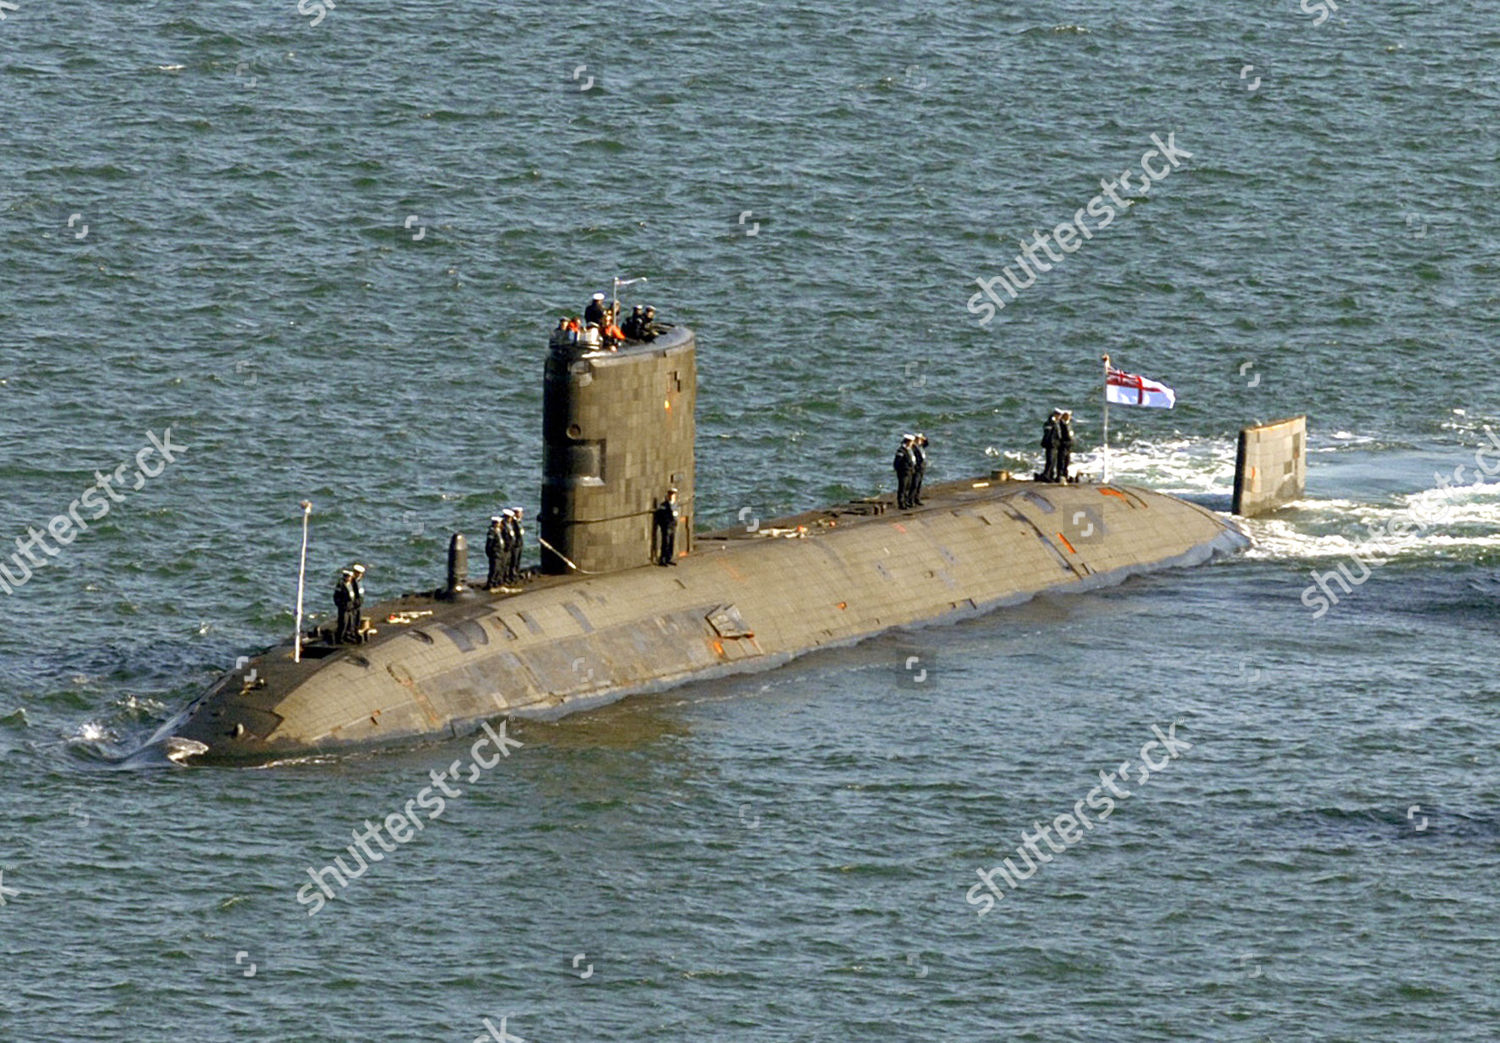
(613, 335)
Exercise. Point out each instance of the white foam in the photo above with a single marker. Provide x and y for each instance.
(180, 749)
(1184, 466)
(92, 731)
(1430, 522)
(1469, 428)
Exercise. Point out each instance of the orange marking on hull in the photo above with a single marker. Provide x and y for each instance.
(898, 526)
(1066, 543)
(843, 605)
(1112, 492)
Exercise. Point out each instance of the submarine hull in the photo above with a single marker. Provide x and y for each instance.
(741, 601)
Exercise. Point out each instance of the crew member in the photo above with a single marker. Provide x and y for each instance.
(1064, 445)
(497, 552)
(343, 596)
(596, 312)
(650, 328)
(613, 335)
(1049, 443)
(919, 456)
(634, 325)
(665, 517)
(356, 603)
(515, 545)
(905, 464)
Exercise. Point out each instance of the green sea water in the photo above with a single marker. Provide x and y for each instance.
(323, 245)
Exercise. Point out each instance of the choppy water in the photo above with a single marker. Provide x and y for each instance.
(326, 257)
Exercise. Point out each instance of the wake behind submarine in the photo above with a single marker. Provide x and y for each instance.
(603, 621)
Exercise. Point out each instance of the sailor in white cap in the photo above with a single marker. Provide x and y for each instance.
(496, 551)
(356, 603)
(514, 540)
(919, 454)
(595, 312)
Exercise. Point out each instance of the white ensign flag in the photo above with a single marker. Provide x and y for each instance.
(1130, 389)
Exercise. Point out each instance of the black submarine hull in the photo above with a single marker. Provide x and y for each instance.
(741, 601)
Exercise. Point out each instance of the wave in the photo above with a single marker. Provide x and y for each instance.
(117, 733)
(1453, 523)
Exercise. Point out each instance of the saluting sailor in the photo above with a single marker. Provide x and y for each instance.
(496, 551)
(356, 603)
(1049, 444)
(1064, 445)
(905, 464)
(343, 597)
(515, 544)
(919, 468)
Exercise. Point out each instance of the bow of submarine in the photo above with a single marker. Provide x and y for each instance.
(236, 718)
(271, 707)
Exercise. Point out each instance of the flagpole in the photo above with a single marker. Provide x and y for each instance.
(301, 583)
(615, 294)
(1106, 419)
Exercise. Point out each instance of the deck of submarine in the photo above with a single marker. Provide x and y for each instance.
(389, 618)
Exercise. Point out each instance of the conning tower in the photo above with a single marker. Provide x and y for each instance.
(617, 432)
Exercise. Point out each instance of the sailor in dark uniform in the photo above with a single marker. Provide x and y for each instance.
(665, 518)
(596, 312)
(356, 603)
(515, 545)
(343, 596)
(635, 326)
(905, 463)
(497, 552)
(919, 471)
(1049, 443)
(650, 328)
(1064, 444)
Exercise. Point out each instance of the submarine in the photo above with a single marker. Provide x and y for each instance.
(602, 620)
